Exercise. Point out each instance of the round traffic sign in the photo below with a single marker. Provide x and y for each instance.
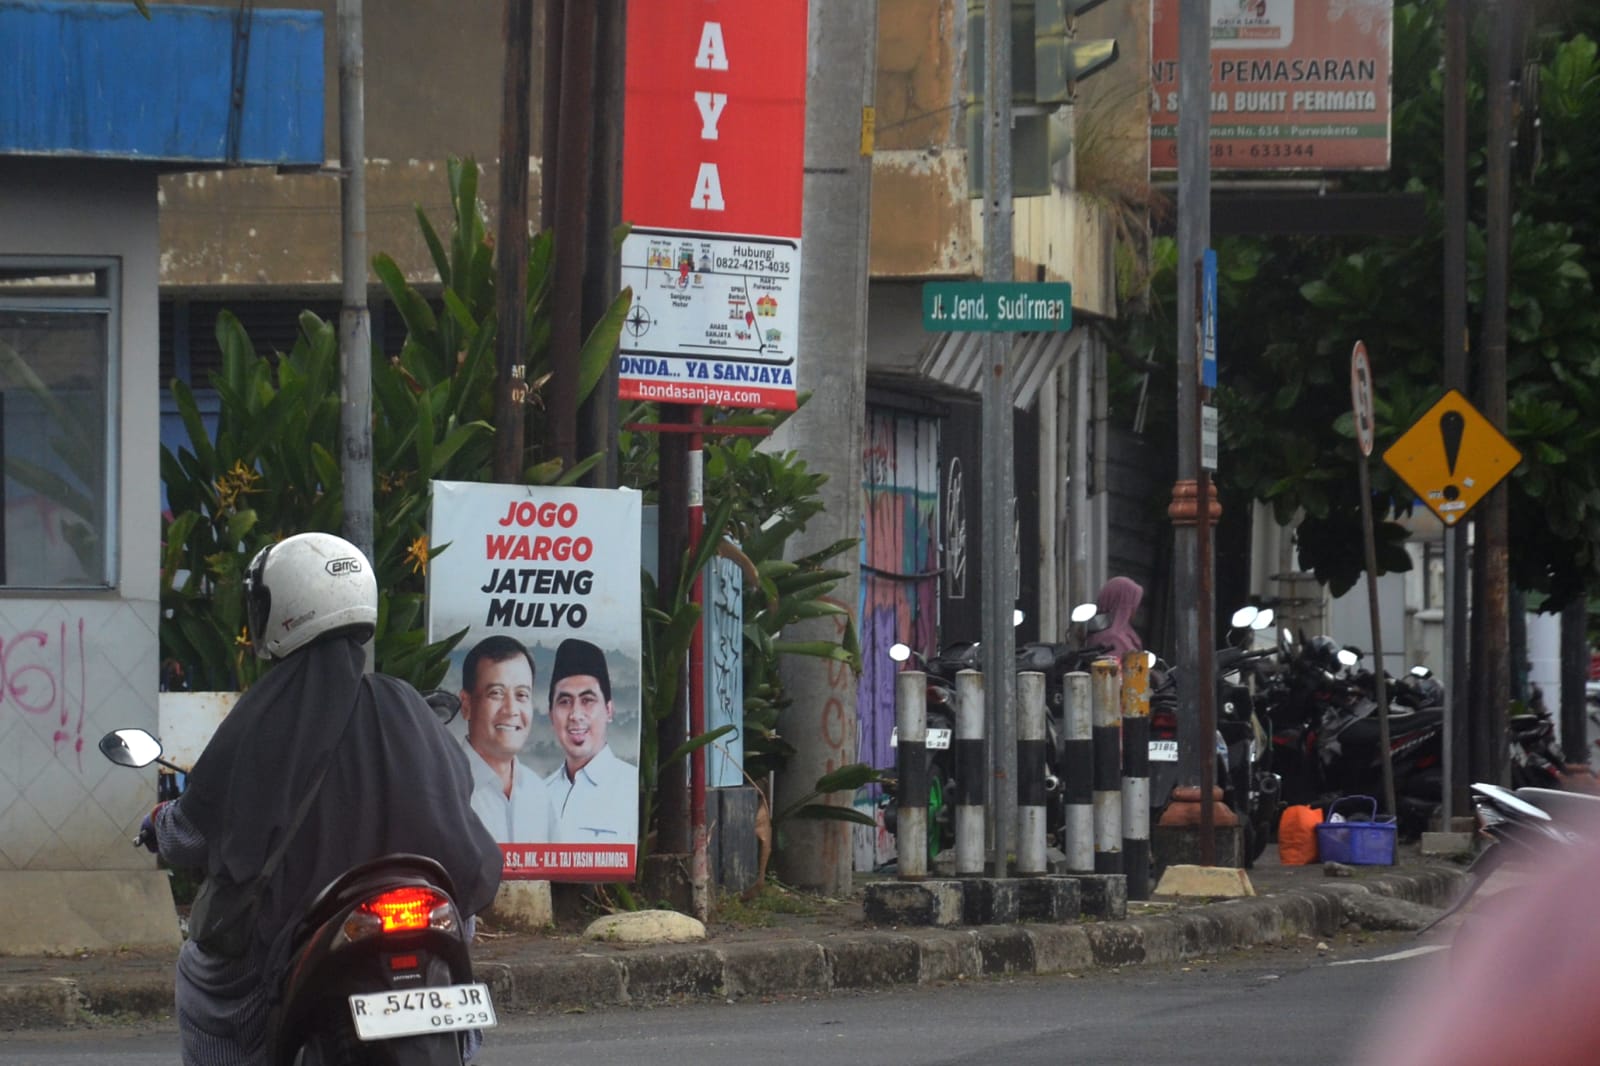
(1361, 396)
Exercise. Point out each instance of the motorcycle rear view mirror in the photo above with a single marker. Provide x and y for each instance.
(899, 652)
(131, 747)
(445, 705)
(1016, 617)
(1084, 612)
(1263, 620)
(1244, 617)
(1348, 656)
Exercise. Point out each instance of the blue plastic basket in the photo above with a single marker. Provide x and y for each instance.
(1357, 843)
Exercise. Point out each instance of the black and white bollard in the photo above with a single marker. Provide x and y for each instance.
(1136, 773)
(972, 773)
(1107, 709)
(911, 762)
(1031, 793)
(1077, 775)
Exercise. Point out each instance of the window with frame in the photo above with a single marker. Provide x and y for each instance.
(59, 324)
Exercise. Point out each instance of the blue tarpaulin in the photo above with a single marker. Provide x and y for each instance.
(216, 85)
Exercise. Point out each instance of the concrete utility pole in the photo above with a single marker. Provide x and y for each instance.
(1194, 236)
(511, 245)
(841, 66)
(355, 324)
(999, 547)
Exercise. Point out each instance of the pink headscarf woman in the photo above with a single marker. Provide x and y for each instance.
(1119, 598)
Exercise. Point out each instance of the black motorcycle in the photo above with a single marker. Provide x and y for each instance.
(379, 969)
(1326, 733)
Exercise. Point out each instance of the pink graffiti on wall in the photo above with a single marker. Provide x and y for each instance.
(899, 591)
(35, 668)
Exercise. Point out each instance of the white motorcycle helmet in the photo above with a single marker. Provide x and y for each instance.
(306, 587)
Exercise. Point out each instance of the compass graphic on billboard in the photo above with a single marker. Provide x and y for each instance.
(638, 322)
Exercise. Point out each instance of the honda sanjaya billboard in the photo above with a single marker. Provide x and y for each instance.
(713, 176)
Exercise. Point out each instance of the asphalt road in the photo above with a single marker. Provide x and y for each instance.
(1280, 1006)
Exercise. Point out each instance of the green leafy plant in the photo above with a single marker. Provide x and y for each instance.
(270, 471)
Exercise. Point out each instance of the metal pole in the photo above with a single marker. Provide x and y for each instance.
(1371, 550)
(1077, 770)
(1194, 235)
(1207, 679)
(972, 773)
(699, 865)
(511, 245)
(1031, 796)
(355, 324)
(1136, 773)
(1494, 519)
(999, 596)
(911, 760)
(1107, 710)
(1456, 344)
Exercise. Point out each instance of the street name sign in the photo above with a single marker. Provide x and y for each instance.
(1451, 457)
(997, 306)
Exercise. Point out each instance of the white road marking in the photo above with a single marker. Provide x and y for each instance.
(1409, 953)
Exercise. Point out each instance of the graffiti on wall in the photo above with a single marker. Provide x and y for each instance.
(955, 533)
(44, 675)
(899, 593)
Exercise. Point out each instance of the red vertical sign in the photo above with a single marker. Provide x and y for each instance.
(713, 179)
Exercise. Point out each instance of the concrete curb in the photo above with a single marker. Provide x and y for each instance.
(868, 959)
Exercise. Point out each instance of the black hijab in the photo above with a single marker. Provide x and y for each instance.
(396, 782)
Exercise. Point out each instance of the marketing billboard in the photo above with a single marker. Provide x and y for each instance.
(1295, 84)
(713, 177)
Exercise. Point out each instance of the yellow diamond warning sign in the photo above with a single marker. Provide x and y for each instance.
(1451, 457)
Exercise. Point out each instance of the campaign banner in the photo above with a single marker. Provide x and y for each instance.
(713, 180)
(1295, 84)
(545, 582)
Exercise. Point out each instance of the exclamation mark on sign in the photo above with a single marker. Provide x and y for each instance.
(1451, 425)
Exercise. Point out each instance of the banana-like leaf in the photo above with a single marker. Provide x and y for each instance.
(601, 345)
(694, 744)
(824, 812)
(848, 778)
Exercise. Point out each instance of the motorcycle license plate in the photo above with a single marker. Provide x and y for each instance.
(436, 1009)
(938, 739)
(1163, 751)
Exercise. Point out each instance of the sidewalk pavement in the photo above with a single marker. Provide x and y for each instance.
(826, 949)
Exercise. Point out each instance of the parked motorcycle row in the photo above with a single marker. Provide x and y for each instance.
(1297, 723)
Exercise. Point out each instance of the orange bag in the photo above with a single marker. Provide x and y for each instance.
(1297, 835)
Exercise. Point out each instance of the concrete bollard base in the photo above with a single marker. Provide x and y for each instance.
(1100, 895)
(1447, 843)
(992, 900)
(1049, 899)
(1172, 845)
(932, 902)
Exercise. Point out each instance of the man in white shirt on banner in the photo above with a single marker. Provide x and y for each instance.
(595, 794)
(497, 705)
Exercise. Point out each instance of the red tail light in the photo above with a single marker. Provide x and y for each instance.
(404, 909)
(1163, 725)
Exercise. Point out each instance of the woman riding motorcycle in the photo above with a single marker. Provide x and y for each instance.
(387, 778)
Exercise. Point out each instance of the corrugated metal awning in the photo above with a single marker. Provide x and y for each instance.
(957, 360)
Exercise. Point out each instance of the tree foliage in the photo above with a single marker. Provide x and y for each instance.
(1292, 307)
